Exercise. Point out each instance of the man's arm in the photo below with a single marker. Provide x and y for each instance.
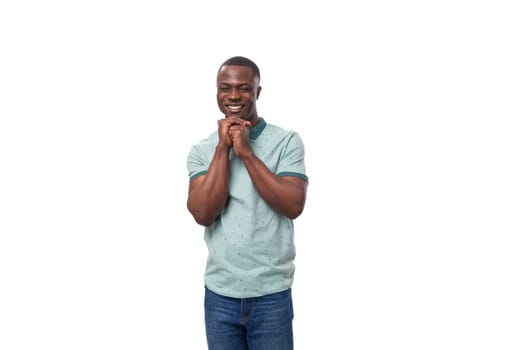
(286, 195)
(208, 194)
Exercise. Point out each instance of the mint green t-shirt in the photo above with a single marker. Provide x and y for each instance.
(251, 247)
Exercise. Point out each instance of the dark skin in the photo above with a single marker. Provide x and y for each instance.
(237, 93)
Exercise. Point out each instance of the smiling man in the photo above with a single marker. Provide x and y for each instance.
(247, 184)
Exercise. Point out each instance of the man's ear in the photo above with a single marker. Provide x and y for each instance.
(258, 91)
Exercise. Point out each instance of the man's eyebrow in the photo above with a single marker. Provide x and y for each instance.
(231, 84)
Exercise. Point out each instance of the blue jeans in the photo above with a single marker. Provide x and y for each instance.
(261, 323)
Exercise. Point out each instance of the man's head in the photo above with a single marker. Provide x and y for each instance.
(238, 88)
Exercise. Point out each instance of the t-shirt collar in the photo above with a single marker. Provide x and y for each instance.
(257, 129)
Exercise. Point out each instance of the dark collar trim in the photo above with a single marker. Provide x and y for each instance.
(257, 129)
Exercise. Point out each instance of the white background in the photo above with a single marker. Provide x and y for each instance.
(412, 116)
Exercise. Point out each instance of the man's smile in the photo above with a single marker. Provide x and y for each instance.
(234, 107)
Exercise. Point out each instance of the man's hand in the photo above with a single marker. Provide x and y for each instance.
(239, 133)
(224, 126)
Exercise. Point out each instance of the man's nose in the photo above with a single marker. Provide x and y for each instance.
(234, 94)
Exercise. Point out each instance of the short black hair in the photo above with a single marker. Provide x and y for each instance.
(244, 62)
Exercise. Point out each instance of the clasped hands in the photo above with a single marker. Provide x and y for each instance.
(235, 132)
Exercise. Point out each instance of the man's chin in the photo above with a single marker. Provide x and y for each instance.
(240, 116)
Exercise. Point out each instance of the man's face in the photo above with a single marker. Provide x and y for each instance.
(237, 92)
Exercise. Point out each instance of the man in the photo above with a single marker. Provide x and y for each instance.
(247, 183)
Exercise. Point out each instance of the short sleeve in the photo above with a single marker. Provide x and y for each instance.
(292, 162)
(196, 163)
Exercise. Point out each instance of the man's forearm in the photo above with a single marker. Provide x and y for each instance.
(284, 195)
(208, 197)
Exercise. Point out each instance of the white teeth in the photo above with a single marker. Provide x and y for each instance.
(235, 108)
